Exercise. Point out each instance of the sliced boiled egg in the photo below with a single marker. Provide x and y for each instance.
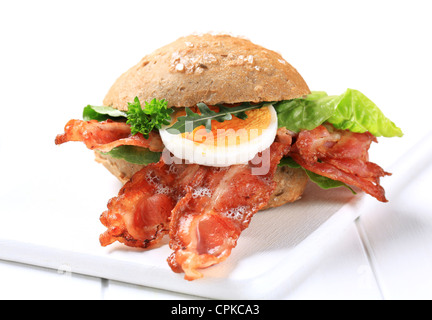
(234, 141)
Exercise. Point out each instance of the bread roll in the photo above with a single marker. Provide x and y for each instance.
(213, 69)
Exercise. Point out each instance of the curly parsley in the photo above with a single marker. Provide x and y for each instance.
(143, 120)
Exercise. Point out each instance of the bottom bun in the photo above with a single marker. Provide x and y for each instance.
(291, 182)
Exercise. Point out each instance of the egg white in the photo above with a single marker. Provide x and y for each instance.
(220, 156)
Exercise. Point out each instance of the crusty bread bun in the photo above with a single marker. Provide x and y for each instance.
(207, 68)
(213, 69)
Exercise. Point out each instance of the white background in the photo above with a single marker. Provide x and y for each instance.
(58, 56)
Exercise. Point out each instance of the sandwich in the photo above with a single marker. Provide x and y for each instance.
(210, 129)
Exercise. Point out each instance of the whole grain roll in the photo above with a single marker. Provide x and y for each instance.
(208, 68)
(213, 69)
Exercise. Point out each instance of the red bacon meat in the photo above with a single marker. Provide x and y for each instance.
(340, 155)
(106, 135)
(205, 209)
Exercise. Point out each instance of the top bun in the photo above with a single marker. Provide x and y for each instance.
(213, 69)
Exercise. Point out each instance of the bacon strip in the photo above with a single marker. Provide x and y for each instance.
(139, 215)
(106, 135)
(207, 222)
(327, 142)
(204, 208)
(340, 155)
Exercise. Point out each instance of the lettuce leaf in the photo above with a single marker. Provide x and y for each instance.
(321, 181)
(305, 113)
(357, 113)
(351, 110)
(101, 113)
(133, 154)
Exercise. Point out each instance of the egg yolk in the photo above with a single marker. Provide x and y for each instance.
(230, 132)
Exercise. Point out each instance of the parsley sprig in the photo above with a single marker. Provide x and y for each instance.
(143, 120)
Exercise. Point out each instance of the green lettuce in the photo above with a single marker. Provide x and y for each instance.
(102, 113)
(133, 154)
(321, 181)
(304, 113)
(351, 110)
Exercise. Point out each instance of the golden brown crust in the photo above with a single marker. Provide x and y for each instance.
(291, 182)
(208, 68)
(120, 168)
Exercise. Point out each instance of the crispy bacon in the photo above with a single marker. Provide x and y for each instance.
(206, 223)
(327, 142)
(340, 155)
(285, 136)
(204, 208)
(106, 135)
(139, 215)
